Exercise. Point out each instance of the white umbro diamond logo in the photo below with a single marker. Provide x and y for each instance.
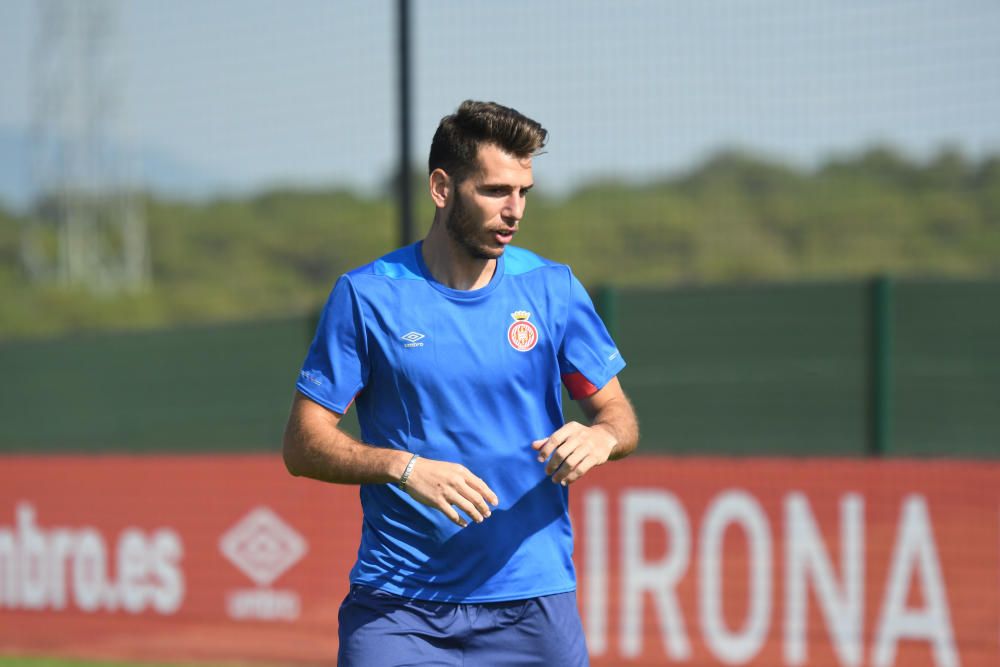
(262, 546)
(412, 337)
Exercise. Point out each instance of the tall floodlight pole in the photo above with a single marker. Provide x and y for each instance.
(403, 64)
(87, 227)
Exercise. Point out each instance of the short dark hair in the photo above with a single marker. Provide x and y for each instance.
(458, 137)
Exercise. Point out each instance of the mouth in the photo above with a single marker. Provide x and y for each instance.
(504, 236)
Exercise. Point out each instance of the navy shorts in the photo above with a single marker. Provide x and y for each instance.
(378, 629)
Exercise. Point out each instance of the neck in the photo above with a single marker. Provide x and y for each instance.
(451, 264)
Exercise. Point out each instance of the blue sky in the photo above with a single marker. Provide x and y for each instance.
(259, 92)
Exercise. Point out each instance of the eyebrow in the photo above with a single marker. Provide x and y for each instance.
(503, 186)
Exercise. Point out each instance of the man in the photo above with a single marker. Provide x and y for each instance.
(452, 350)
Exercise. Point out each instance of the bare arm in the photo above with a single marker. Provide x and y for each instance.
(314, 446)
(574, 450)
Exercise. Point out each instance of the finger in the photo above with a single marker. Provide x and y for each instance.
(569, 465)
(566, 430)
(585, 466)
(545, 449)
(477, 501)
(538, 444)
(483, 489)
(552, 443)
(450, 512)
(556, 439)
(464, 504)
(560, 455)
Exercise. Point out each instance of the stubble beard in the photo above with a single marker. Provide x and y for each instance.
(464, 231)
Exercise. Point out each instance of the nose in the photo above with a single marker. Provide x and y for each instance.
(513, 209)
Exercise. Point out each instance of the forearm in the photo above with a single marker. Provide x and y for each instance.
(315, 447)
(330, 455)
(618, 418)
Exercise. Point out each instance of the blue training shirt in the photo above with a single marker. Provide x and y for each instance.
(471, 377)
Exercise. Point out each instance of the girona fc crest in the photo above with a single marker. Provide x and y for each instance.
(522, 334)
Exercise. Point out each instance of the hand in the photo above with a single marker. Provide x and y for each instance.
(444, 486)
(574, 449)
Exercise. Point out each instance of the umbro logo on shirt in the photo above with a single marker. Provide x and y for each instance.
(314, 378)
(412, 339)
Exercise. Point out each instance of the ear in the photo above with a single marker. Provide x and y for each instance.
(441, 187)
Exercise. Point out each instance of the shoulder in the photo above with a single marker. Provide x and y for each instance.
(377, 281)
(520, 261)
(400, 264)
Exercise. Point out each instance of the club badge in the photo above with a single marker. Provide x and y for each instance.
(522, 334)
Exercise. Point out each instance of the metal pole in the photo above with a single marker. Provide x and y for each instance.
(405, 186)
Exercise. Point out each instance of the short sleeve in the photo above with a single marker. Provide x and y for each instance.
(336, 367)
(588, 357)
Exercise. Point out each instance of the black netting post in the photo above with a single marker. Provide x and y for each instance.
(404, 182)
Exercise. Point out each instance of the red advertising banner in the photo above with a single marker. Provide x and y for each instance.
(680, 561)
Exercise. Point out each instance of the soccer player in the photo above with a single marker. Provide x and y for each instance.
(452, 351)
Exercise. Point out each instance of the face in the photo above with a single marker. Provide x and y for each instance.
(489, 204)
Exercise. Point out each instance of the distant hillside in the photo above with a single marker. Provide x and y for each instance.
(733, 218)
